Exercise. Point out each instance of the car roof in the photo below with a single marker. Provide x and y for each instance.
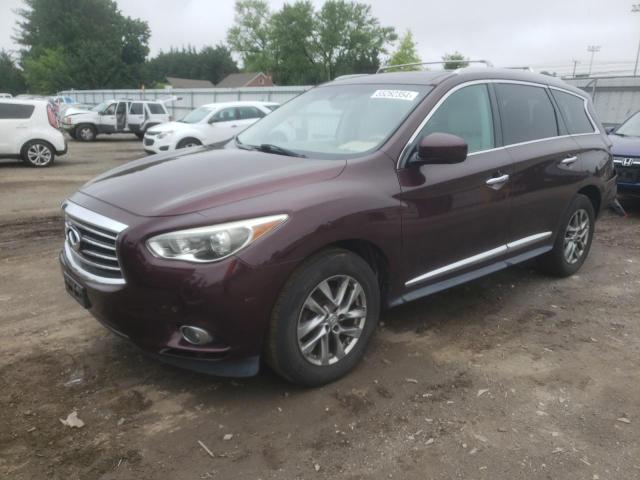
(238, 103)
(24, 101)
(434, 78)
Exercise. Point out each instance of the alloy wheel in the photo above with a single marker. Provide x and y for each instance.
(39, 154)
(86, 133)
(576, 236)
(331, 320)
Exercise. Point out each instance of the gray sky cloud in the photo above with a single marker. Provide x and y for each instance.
(546, 33)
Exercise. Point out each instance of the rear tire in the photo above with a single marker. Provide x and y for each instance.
(38, 154)
(188, 142)
(323, 319)
(573, 240)
(86, 133)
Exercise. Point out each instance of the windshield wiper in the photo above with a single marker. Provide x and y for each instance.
(271, 148)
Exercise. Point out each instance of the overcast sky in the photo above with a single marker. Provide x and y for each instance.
(542, 33)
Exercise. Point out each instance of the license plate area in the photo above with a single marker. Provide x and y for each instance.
(76, 290)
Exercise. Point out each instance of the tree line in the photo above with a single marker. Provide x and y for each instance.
(92, 46)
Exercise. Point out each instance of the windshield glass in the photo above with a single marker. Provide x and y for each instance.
(631, 127)
(336, 121)
(197, 115)
(100, 108)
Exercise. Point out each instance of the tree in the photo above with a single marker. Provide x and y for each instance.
(11, 78)
(94, 45)
(454, 60)
(301, 45)
(210, 63)
(406, 53)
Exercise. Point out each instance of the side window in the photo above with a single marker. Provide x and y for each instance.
(526, 113)
(224, 115)
(246, 113)
(15, 111)
(573, 111)
(467, 114)
(136, 109)
(110, 110)
(156, 109)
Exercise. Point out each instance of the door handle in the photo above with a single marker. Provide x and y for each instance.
(569, 160)
(497, 182)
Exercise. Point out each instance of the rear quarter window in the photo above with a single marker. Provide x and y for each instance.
(15, 111)
(526, 113)
(156, 109)
(572, 109)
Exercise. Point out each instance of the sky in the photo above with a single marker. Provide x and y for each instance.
(545, 34)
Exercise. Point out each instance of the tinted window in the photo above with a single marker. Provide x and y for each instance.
(526, 113)
(573, 112)
(246, 113)
(156, 108)
(225, 115)
(136, 109)
(467, 114)
(15, 111)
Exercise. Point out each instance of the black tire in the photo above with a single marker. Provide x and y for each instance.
(38, 154)
(283, 348)
(72, 134)
(86, 132)
(558, 262)
(188, 142)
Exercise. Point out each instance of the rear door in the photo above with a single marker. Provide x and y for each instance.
(457, 215)
(136, 116)
(247, 116)
(14, 126)
(545, 162)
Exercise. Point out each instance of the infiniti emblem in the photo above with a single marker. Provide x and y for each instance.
(73, 237)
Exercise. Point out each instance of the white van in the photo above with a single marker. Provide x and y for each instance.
(29, 130)
(114, 116)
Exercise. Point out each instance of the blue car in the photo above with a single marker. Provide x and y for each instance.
(626, 154)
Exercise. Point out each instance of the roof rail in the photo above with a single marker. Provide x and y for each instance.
(352, 75)
(388, 67)
(523, 68)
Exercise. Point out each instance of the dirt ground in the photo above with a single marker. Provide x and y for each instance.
(512, 376)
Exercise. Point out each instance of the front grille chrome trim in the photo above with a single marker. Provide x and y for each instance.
(94, 256)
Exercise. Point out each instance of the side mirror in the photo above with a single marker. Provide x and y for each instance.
(441, 148)
(610, 130)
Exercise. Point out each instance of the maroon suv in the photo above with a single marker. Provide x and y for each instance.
(361, 194)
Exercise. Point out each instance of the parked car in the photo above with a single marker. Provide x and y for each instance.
(6, 95)
(115, 116)
(361, 194)
(61, 103)
(212, 123)
(626, 154)
(29, 130)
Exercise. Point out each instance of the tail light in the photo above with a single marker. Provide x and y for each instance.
(51, 115)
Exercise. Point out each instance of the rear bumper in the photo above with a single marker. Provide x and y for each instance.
(64, 149)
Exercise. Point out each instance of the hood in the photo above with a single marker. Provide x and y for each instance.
(180, 183)
(165, 127)
(625, 146)
(75, 110)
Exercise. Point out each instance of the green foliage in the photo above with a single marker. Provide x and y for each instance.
(80, 44)
(11, 78)
(406, 53)
(455, 60)
(301, 45)
(210, 63)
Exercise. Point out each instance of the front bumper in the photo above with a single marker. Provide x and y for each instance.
(154, 145)
(230, 299)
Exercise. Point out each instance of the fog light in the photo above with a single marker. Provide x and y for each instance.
(195, 335)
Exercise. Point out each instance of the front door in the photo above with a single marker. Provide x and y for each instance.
(457, 214)
(108, 119)
(223, 125)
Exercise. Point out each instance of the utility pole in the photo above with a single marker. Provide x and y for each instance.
(575, 64)
(593, 49)
(635, 8)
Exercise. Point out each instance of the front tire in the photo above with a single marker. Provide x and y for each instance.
(323, 318)
(188, 143)
(38, 154)
(86, 133)
(573, 240)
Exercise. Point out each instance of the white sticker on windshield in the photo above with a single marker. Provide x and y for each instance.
(396, 94)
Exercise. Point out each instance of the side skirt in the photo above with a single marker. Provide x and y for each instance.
(467, 277)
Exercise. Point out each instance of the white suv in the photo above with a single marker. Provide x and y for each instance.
(212, 123)
(115, 116)
(29, 130)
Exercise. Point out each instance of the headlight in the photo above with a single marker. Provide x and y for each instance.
(165, 134)
(210, 244)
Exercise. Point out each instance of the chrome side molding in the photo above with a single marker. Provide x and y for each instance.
(465, 262)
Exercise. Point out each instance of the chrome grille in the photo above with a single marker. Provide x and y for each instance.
(90, 244)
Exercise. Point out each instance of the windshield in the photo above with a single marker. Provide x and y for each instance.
(100, 108)
(197, 115)
(336, 121)
(631, 127)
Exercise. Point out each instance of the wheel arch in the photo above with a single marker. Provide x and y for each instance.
(594, 195)
(31, 140)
